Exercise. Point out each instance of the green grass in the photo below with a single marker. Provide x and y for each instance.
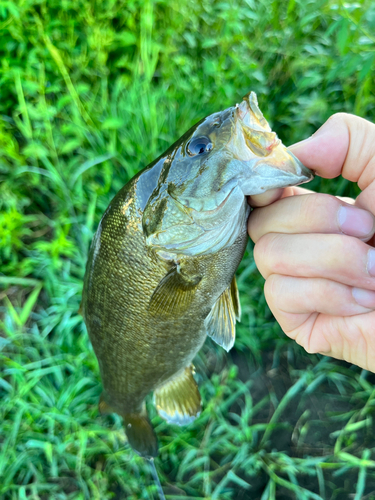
(90, 92)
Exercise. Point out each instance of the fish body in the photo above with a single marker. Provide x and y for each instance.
(160, 273)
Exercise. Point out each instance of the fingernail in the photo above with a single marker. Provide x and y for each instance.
(371, 262)
(355, 221)
(365, 298)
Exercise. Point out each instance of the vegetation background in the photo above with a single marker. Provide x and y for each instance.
(90, 92)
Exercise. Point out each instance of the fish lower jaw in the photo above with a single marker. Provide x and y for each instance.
(258, 184)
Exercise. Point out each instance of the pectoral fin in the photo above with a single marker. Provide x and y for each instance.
(178, 401)
(174, 294)
(221, 321)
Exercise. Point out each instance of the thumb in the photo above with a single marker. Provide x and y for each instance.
(344, 144)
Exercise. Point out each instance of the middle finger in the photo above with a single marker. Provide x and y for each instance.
(311, 213)
(336, 257)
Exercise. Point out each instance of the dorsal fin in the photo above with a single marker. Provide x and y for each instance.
(221, 321)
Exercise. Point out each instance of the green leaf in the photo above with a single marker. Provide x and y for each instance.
(343, 36)
(125, 38)
(34, 150)
(209, 42)
(368, 61)
(29, 304)
(112, 123)
(70, 146)
(21, 318)
(13, 313)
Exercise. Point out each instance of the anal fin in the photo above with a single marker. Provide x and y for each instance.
(221, 321)
(178, 401)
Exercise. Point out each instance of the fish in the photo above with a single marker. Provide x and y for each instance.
(160, 275)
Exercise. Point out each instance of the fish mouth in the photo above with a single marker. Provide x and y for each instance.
(225, 203)
(281, 171)
(267, 162)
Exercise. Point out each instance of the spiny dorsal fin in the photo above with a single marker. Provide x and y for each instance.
(173, 295)
(178, 401)
(221, 322)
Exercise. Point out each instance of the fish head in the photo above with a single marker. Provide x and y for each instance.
(199, 203)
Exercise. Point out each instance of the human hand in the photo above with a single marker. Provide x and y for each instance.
(316, 251)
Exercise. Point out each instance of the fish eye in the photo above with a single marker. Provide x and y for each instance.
(199, 145)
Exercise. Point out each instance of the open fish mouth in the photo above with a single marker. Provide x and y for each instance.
(270, 164)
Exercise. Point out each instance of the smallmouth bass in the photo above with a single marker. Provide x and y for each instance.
(160, 272)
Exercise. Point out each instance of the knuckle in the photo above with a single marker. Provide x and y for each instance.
(319, 204)
(253, 225)
(341, 115)
(351, 249)
(338, 252)
(264, 252)
(272, 288)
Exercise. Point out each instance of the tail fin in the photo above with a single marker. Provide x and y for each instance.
(141, 435)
